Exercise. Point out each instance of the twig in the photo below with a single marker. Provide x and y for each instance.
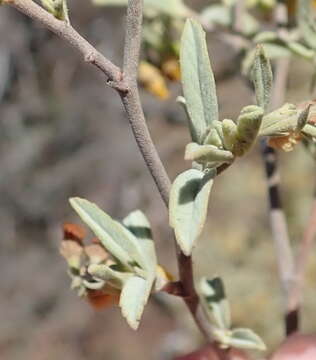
(126, 85)
(131, 99)
(73, 38)
(277, 218)
(301, 262)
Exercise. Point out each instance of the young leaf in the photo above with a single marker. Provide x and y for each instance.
(246, 339)
(138, 224)
(197, 80)
(207, 153)
(188, 206)
(262, 78)
(215, 303)
(229, 133)
(280, 122)
(248, 126)
(120, 242)
(103, 272)
(134, 297)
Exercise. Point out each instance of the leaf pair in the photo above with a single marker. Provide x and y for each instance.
(131, 245)
(217, 309)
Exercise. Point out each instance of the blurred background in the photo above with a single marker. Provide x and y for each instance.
(64, 133)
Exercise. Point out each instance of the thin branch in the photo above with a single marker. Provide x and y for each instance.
(132, 103)
(133, 39)
(73, 38)
(136, 118)
(302, 261)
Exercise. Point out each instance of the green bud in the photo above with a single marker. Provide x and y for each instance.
(213, 138)
(230, 133)
(57, 8)
(219, 128)
(248, 125)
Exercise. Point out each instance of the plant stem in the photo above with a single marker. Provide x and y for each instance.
(304, 251)
(125, 83)
(277, 217)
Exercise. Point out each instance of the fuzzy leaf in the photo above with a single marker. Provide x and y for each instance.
(138, 224)
(280, 122)
(197, 80)
(272, 50)
(120, 242)
(188, 206)
(215, 303)
(262, 78)
(246, 339)
(229, 133)
(207, 153)
(248, 126)
(134, 297)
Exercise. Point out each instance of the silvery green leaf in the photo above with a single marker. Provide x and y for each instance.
(229, 133)
(188, 206)
(301, 50)
(207, 153)
(262, 78)
(275, 51)
(248, 125)
(215, 304)
(280, 122)
(272, 50)
(306, 22)
(133, 299)
(197, 80)
(246, 339)
(120, 242)
(138, 224)
(103, 272)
